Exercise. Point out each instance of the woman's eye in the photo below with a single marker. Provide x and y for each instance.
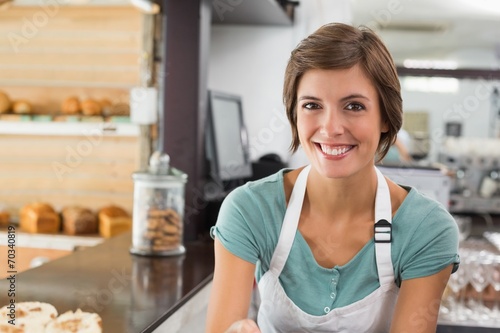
(355, 107)
(310, 106)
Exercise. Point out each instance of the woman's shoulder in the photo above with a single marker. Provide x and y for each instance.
(259, 192)
(420, 211)
(418, 200)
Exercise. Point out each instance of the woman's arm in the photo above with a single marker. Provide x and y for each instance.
(418, 303)
(231, 293)
(404, 154)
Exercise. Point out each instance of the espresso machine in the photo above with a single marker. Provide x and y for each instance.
(475, 168)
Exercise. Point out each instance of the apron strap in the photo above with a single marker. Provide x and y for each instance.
(290, 223)
(383, 230)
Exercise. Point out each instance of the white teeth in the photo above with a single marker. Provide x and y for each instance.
(334, 151)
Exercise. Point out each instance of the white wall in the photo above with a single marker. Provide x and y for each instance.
(250, 61)
(470, 105)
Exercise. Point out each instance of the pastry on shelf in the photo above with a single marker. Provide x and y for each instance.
(107, 106)
(91, 107)
(66, 118)
(22, 107)
(71, 105)
(120, 109)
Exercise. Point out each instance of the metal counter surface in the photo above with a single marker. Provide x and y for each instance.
(131, 293)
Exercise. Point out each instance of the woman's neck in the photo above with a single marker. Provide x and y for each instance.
(344, 198)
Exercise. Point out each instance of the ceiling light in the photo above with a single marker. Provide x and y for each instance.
(431, 84)
(430, 64)
(487, 6)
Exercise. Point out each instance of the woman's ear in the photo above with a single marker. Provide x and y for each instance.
(385, 127)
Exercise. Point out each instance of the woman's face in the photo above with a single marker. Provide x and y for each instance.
(338, 120)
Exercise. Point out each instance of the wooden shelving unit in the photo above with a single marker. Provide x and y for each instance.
(87, 50)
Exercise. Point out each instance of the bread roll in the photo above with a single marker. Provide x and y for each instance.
(39, 218)
(5, 102)
(71, 106)
(75, 322)
(113, 220)
(91, 107)
(120, 109)
(31, 317)
(106, 106)
(22, 107)
(78, 220)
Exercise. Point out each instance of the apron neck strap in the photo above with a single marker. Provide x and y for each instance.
(290, 223)
(383, 230)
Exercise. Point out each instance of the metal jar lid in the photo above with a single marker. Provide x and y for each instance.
(160, 170)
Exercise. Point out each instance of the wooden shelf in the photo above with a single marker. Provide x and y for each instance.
(107, 3)
(52, 241)
(63, 129)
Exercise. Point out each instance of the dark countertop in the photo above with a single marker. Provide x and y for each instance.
(131, 293)
(466, 329)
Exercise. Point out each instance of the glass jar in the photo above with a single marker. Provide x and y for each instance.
(158, 209)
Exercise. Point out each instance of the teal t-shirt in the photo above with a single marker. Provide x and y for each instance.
(424, 241)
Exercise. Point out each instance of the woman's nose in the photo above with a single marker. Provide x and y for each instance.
(332, 123)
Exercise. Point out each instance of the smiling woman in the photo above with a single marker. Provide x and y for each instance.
(335, 246)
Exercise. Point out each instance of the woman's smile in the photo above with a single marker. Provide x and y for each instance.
(338, 151)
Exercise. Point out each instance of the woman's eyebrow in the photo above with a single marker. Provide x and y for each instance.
(351, 96)
(354, 96)
(301, 98)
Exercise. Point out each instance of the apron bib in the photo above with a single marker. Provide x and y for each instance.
(373, 314)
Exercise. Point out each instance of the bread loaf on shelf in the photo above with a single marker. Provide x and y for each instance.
(31, 317)
(113, 220)
(77, 321)
(5, 102)
(4, 218)
(39, 217)
(78, 221)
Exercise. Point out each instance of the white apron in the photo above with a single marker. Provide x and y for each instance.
(373, 314)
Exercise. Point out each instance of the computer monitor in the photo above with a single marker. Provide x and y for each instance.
(227, 147)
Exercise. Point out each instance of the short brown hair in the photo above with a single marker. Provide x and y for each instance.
(341, 46)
